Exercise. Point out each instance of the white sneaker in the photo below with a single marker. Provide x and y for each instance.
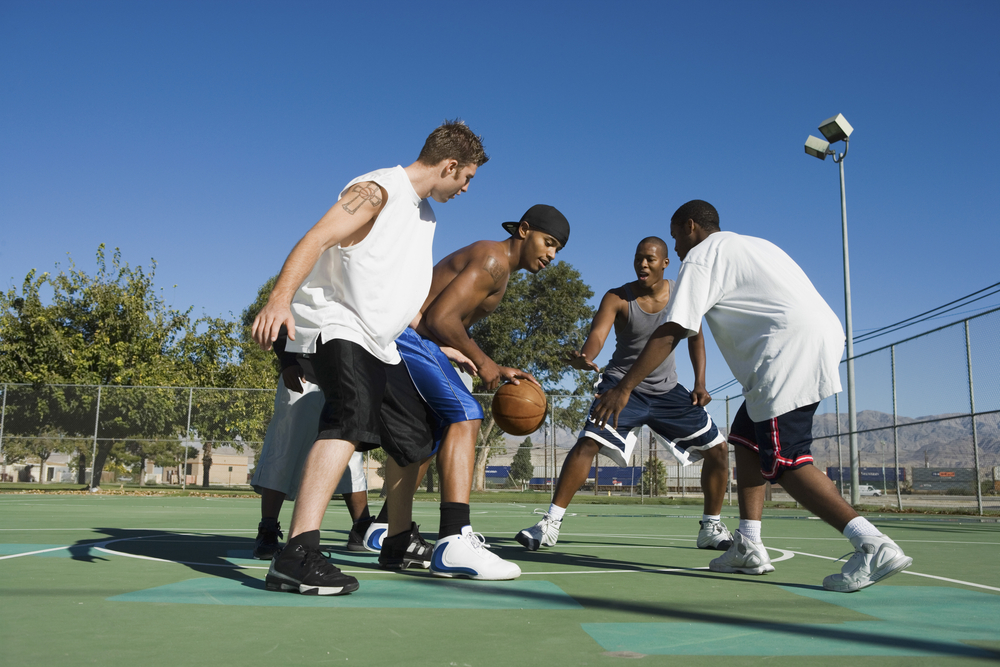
(875, 558)
(743, 557)
(714, 535)
(544, 533)
(466, 555)
(374, 536)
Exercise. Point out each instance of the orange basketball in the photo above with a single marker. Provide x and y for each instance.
(519, 409)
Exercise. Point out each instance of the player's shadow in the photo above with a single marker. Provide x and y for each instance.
(201, 552)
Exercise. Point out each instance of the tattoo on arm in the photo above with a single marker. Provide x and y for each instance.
(494, 268)
(364, 192)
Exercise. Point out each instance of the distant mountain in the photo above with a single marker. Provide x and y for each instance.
(939, 444)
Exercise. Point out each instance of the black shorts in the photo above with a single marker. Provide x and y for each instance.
(782, 442)
(370, 402)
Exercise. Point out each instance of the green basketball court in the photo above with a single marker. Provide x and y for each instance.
(121, 580)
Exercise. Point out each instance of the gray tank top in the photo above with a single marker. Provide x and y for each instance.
(631, 337)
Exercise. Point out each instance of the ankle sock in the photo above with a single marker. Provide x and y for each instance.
(308, 539)
(711, 517)
(750, 529)
(454, 517)
(860, 527)
(555, 512)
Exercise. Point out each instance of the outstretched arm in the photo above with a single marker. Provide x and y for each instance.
(348, 222)
(659, 346)
(696, 350)
(599, 329)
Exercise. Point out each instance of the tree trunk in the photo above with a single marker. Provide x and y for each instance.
(482, 453)
(41, 469)
(81, 468)
(142, 471)
(206, 463)
(103, 449)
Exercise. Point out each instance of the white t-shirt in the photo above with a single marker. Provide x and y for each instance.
(369, 292)
(781, 340)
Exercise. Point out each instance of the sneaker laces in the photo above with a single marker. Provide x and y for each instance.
(321, 555)
(261, 531)
(478, 543)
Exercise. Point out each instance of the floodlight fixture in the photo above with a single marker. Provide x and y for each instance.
(836, 128)
(817, 147)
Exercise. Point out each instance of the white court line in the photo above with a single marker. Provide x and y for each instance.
(33, 553)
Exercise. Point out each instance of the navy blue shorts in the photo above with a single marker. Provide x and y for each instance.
(783, 442)
(448, 398)
(685, 429)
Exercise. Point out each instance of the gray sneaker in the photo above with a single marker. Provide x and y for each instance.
(875, 557)
(544, 533)
(743, 557)
(714, 535)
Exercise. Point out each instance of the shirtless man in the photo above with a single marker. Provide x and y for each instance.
(677, 416)
(343, 311)
(467, 286)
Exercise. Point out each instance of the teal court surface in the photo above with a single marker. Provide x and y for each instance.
(123, 580)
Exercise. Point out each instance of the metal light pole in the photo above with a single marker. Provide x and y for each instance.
(838, 129)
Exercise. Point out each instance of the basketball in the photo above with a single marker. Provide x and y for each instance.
(519, 409)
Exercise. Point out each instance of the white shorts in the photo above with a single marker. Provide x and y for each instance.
(290, 436)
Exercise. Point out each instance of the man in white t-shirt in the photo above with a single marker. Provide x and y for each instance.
(783, 344)
(349, 287)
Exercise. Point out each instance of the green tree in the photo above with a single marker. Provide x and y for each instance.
(110, 329)
(521, 468)
(540, 318)
(654, 477)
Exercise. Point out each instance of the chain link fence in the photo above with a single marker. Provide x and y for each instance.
(928, 430)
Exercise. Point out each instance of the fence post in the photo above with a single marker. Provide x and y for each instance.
(184, 465)
(840, 447)
(552, 430)
(3, 415)
(895, 434)
(972, 414)
(93, 455)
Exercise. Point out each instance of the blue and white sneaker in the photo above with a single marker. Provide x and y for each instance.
(466, 555)
(374, 536)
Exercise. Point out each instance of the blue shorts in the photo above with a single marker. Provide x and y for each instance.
(783, 442)
(685, 429)
(438, 383)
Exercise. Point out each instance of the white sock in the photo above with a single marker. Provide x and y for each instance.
(711, 517)
(555, 512)
(750, 529)
(860, 527)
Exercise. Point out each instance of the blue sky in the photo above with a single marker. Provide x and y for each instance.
(211, 135)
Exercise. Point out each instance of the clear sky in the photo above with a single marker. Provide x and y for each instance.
(211, 135)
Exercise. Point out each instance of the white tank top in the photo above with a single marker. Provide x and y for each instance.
(369, 292)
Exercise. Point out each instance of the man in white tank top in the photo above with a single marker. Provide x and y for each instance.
(347, 290)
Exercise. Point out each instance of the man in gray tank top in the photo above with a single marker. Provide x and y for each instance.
(676, 416)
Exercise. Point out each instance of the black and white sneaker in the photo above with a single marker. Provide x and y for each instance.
(298, 569)
(405, 550)
(267, 544)
(356, 538)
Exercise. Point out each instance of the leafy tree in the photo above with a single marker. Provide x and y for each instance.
(521, 468)
(540, 317)
(654, 476)
(108, 329)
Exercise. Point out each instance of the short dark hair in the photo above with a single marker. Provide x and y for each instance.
(453, 140)
(703, 214)
(655, 240)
